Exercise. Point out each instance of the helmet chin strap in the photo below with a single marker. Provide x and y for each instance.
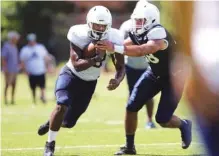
(97, 35)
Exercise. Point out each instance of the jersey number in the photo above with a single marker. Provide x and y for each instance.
(151, 58)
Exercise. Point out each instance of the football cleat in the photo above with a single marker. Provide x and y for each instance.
(124, 150)
(43, 129)
(150, 125)
(49, 148)
(186, 133)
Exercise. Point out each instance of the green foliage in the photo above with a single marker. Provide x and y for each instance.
(166, 13)
(10, 16)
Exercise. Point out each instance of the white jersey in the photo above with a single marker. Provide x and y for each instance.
(133, 62)
(205, 43)
(78, 35)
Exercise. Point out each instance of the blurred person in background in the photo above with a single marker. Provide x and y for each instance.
(10, 64)
(34, 59)
(199, 31)
(135, 67)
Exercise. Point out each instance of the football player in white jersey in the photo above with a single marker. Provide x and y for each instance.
(77, 80)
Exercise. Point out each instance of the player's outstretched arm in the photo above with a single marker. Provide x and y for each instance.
(150, 47)
(120, 72)
(120, 67)
(77, 61)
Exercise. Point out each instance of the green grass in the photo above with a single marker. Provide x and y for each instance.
(99, 131)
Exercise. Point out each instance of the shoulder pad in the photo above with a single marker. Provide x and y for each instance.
(77, 34)
(157, 33)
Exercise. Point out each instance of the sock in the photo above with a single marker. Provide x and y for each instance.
(52, 135)
(130, 140)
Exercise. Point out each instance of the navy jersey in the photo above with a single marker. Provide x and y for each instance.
(160, 60)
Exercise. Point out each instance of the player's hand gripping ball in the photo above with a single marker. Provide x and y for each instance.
(90, 51)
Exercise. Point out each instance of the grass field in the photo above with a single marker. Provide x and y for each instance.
(99, 132)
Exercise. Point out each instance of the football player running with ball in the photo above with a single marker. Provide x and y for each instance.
(77, 80)
(149, 38)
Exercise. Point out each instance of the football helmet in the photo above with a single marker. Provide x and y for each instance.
(99, 17)
(144, 17)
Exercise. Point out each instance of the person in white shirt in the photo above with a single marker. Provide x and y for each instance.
(34, 58)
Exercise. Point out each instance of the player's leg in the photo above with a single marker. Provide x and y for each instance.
(63, 94)
(132, 76)
(149, 109)
(80, 103)
(54, 126)
(165, 114)
(80, 99)
(6, 87)
(33, 83)
(14, 79)
(42, 85)
(145, 89)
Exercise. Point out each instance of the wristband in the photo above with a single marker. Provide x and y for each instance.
(119, 49)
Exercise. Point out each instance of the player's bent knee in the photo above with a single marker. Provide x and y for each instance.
(162, 121)
(68, 125)
(164, 124)
(132, 108)
(130, 112)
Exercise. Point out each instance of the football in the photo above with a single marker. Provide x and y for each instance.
(90, 51)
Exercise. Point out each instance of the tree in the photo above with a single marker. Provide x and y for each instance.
(10, 16)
